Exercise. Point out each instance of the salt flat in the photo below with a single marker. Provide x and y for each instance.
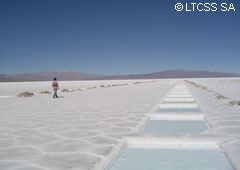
(228, 87)
(87, 129)
(223, 119)
(79, 131)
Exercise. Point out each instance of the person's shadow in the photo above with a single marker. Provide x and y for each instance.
(60, 97)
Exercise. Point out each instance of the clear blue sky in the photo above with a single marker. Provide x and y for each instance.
(116, 36)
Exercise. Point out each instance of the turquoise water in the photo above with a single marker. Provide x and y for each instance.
(175, 127)
(170, 159)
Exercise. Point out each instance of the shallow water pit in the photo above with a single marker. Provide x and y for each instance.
(170, 158)
(175, 126)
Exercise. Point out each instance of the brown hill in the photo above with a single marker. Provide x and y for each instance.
(173, 74)
(48, 76)
(70, 75)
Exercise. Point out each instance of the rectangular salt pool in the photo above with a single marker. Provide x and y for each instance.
(175, 126)
(170, 159)
(178, 110)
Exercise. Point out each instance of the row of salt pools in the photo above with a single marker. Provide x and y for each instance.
(171, 139)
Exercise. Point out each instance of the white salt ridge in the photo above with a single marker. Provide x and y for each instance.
(5, 96)
(179, 92)
(171, 142)
(172, 116)
(178, 100)
(178, 95)
(177, 106)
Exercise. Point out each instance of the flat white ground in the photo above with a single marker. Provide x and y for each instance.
(76, 131)
(84, 129)
(228, 87)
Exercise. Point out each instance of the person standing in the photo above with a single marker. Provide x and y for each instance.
(55, 87)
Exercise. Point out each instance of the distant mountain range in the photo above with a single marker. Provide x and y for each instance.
(47, 76)
(70, 75)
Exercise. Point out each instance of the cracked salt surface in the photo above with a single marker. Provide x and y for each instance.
(84, 130)
(44, 133)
